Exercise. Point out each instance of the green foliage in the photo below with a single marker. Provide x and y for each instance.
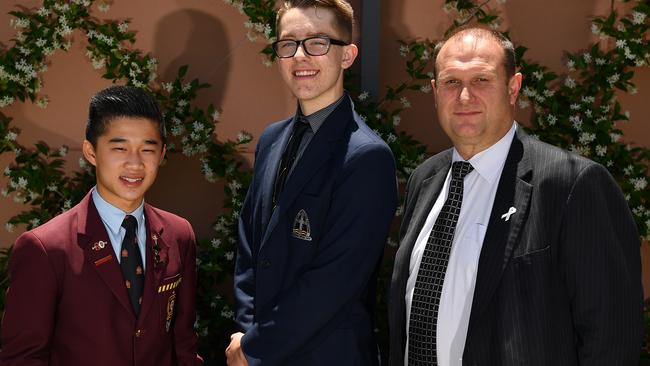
(578, 111)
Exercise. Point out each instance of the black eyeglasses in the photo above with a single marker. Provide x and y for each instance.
(313, 46)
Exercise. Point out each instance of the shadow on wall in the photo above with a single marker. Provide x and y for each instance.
(197, 39)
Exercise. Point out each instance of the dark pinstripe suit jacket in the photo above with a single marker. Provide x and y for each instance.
(559, 283)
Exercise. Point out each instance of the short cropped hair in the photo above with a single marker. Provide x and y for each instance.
(122, 101)
(342, 10)
(479, 31)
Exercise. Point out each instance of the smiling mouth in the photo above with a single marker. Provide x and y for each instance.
(130, 180)
(305, 73)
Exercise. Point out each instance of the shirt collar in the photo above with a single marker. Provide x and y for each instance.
(317, 118)
(113, 216)
(495, 156)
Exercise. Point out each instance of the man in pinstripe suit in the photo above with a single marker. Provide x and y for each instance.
(543, 267)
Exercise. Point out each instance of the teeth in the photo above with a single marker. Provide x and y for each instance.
(305, 73)
(132, 180)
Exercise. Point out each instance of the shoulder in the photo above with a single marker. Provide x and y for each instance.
(364, 140)
(551, 161)
(272, 132)
(58, 231)
(170, 221)
(431, 166)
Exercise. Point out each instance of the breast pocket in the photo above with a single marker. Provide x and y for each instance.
(166, 294)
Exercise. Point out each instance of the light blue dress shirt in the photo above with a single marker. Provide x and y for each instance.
(112, 217)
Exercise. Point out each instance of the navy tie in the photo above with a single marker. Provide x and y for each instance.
(300, 126)
(131, 263)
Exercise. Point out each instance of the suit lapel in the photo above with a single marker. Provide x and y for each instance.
(514, 190)
(427, 194)
(314, 157)
(156, 258)
(272, 164)
(99, 252)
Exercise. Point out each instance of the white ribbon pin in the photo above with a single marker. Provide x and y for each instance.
(506, 216)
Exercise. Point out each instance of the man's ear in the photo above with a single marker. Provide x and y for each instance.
(89, 152)
(433, 89)
(162, 154)
(350, 53)
(514, 85)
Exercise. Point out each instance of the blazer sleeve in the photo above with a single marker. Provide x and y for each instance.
(185, 338)
(600, 258)
(30, 305)
(362, 207)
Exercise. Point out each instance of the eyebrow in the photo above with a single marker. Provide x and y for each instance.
(308, 35)
(117, 140)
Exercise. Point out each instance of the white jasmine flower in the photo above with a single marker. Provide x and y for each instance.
(621, 43)
(538, 75)
(430, 74)
(405, 102)
(627, 114)
(11, 136)
(551, 119)
(601, 150)
(587, 57)
(569, 83)
(620, 27)
(549, 93)
(103, 7)
(425, 88)
(595, 29)
(243, 137)
(574, 106)
(4, 192)
(634, 90)
(42, 103)
(267, 62)
(586, 137)
(396, 120)
(639, 183)
(7, 171)
(363, 96)
(35, 222)
(9, 227)
(571, 65)
(614, 78)
(600, 61)
(22, 182)
(230, 255)
(615, 137)
(403, 50)
(577, 122)
(216, 115)
(391, 138)
(588, 113)
(378, 116)
(638, 17)
(168, 87)
(198, 126)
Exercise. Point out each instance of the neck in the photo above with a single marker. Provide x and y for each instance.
(310, 106)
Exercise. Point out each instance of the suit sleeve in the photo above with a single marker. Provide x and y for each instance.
(244, 280)
(600, 257)
(185, 338)
(30, 305)
(362, 207)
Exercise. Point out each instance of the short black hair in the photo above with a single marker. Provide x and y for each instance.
(122, 101)
(480, 31)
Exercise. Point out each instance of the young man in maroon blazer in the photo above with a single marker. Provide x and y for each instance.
(112, 281)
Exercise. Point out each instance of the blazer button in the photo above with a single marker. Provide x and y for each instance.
(265, 263)
(138, 333)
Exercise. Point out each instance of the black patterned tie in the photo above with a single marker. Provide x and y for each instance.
(299, 128)
(131, 263)
(431, 274)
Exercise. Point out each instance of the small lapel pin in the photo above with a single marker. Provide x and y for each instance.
(156, 251)
(506, 216)
(99, 245)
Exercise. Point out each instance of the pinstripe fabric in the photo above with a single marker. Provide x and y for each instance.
(559, 284)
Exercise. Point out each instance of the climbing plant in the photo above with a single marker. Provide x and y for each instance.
(577, 109)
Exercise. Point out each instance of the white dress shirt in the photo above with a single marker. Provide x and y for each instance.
(479, 190)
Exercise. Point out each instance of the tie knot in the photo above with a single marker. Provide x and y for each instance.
(129, 223)
(460, 169)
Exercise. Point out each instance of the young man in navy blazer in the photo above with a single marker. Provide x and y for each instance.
(317, 213)
(112, 281)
